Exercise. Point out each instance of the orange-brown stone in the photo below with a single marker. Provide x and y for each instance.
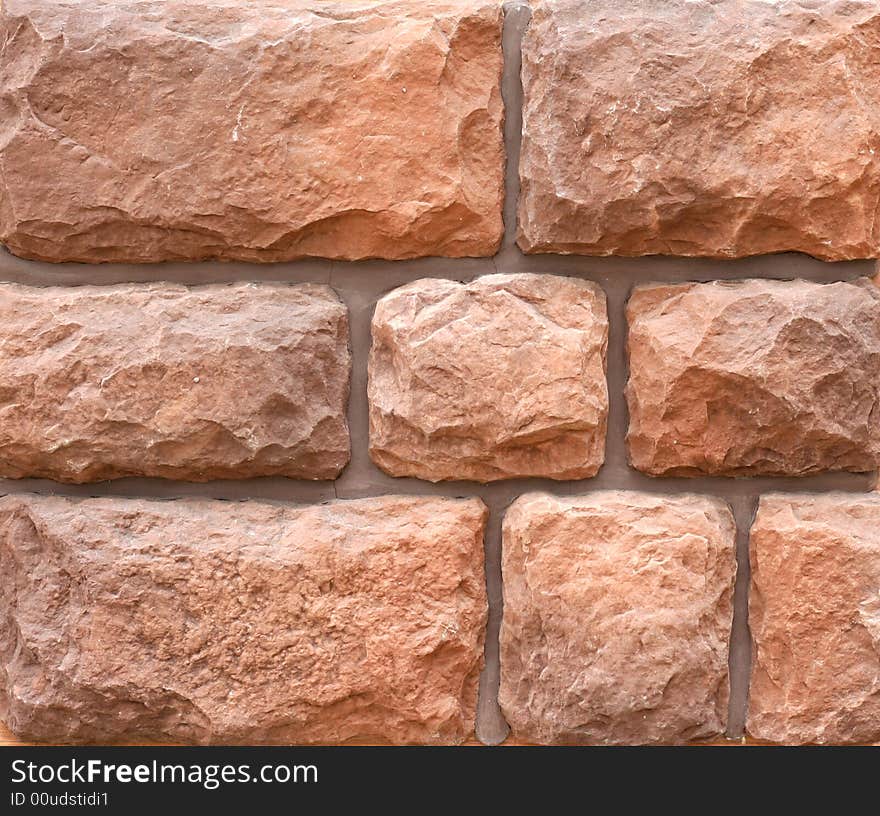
(754, 377)
(814, 615)
(209, 382)
(721, 128)
(217, 622)
(617, 617)
(495, 379)
(251, 131)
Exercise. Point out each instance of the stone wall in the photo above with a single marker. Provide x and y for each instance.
(533, 351)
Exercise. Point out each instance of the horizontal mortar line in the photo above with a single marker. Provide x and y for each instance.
(377, 277)
(295, 491)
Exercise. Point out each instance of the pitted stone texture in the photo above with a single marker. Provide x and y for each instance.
(262, 132)
(814, 614)
(754, 377)
(218, 622)
(699, 127)
(499, 378)
(617, 617)
(212, 382)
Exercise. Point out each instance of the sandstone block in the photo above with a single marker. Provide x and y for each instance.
(210, 382)
(259, 132)
(498, 378)
(814, 614)
(216, 622)
(700, 127)
(754, 377)
(617, 617)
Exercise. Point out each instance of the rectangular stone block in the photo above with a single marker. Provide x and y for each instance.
(209, 382)
(754, 377)
(814, 615)
(720, 128)
(617, 617)
(217, 622)
(252, 131)
(499, 378)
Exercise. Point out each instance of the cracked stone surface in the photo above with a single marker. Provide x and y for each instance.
(814, 614)
(755, 377)
(495, 379)
(698, 127)
(261, 132)
(617, 617)
(209, 382)
(218, 622)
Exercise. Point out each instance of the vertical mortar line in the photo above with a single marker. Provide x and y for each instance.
(516, 20)
(360, 305)
(348, 406)
(740, 656)
(491, 727)
(616, 468)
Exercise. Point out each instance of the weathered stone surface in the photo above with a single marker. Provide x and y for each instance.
(701, 127)
(814, 614)
(213, 382)
(217, 622)
(264, 132)
(617, 616)
(754, 377)
(499, 378)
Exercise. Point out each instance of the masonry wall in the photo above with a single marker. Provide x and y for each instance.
(361, 284)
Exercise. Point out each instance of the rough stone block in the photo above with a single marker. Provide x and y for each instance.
(756, 377)
(209, 382)
(720, 128)
(218, 622)
(617, 617)
(495, 379)
(814, 614)
(252, 131)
